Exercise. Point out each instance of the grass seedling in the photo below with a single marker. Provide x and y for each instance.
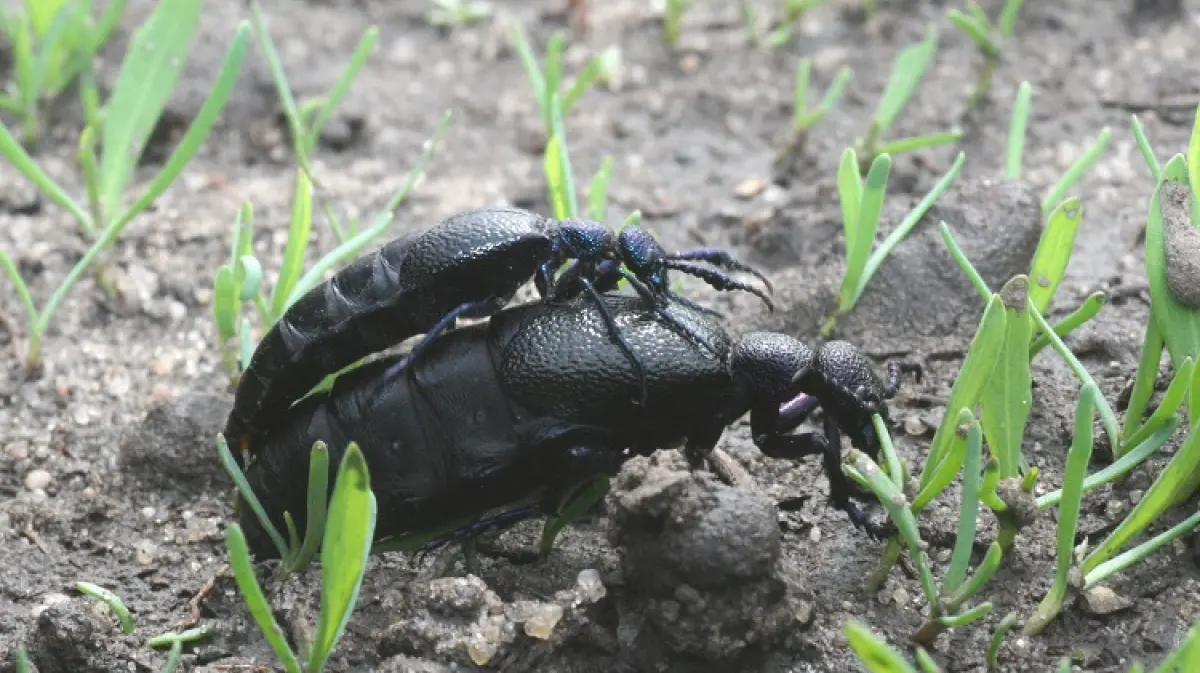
(861, 207)
(793, 10)
(805, 117)
(176, 641)
(113, 601)
(673, 20)
(547, 80)
(238, 281)
(345, 546)
(989, 38)
(1016, 146)
(455, 13)
(52, 43)
(908, 69)
(148, 75)
(306, 121)
(1068, 511)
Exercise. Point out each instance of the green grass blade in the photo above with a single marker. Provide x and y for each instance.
(598, 191)
(850, 195)
(318, 490)
(149, 73)
(1143, 143)
(202, 124)
(1016, 132)
(1158, 499)
(247, 494)
(906, 226)
(299, 234)
(908, 70)
(1105, 570)
(968, 517)
(532, 70)
(583, 82)
(1054, 252)
(27, 167)
(1008, 17)
(895, 469)
(577, 503)
(977, 368)
(1007, 397)
(1107, 418)
(982, 575)
(863, 470)
(873, 652)
(366, 45)
(800, 98)
(965, 264)
(834, 93)
(557, 163)
(993, 652)
(344, 552)
(914, 143)
(282, 88)
(113, 601)
(1068, 512)
(979, 32)
(256, 601)
(225, 303)
(1077, 169)
(14, 275)
(867, 225)
(1178, 323)
(1086, 311)
(1119, 468)
(1174, 398)
(1143, 380)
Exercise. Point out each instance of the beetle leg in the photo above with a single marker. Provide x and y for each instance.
(895, 369)
(721, 258)
(469, 309)
(468, 533)
(720, 281)
(649, 295)
(616, 333)
(763, 421)
(795, 411)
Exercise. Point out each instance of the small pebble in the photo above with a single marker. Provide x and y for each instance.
(591, 587)
(543, 620)
(815, 534)
(37, 480)
(1104, 601)
(900, 597)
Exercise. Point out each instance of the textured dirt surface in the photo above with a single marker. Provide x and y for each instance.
(107, 467)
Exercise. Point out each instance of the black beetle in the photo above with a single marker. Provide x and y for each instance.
(538, 399)
(467, 266)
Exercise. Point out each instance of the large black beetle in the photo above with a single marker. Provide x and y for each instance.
(469, 265)
(539, 398)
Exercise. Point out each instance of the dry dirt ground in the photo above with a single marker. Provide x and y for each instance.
(107, 465)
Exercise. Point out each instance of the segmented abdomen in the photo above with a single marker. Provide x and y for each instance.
(397, 292)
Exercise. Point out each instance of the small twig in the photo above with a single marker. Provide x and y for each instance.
(730, 470)
(197, 601)
(36, 539)
(14, 341)
(1171, 112)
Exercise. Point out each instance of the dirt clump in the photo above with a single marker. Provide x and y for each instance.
(700, 560)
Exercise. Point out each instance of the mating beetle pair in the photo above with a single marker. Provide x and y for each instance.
(507, 414)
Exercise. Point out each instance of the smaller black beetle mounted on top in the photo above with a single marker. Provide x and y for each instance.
(467, 266)
(539, 399)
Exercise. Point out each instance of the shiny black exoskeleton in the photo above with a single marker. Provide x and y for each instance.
(468, 266)
(539, 398)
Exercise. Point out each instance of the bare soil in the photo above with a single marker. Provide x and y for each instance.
(108, 472)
